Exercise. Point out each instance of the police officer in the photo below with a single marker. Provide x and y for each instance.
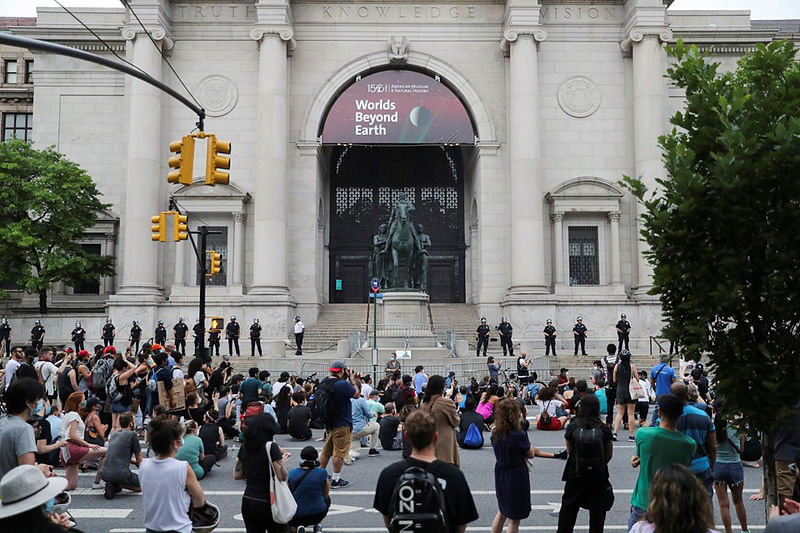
(549, 338)
(5, 336)
(719, 326)
(135, 336)
(579, 331)
(623, 332)
(161, 333)
(199, 331)
(78, 337)
(213, 340)
(108, 333)
(505, 330)
(232, 332)
(299, 331)
(180, 330)
(482, 336)
(255, 338)
(37, 335)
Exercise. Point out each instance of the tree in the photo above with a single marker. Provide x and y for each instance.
(46, 204)
(724, 231)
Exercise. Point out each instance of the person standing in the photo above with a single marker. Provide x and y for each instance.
(697, 425)
(161, 333)
(108, 333)
(586, 478)
(445, 415)
(392, 365)
(198, 330)
(180, 330)
(579, 331)
(232, 333)
(5, 336)
(37, 335)
(213, 341)
(255, 338)
(624, 373)
(135, 337)
(505, 330)
(549, 338)
(420, 379)
(522, 368)
(662, 376)
(78, 336)
(339, 390)
(299, 330)
(482, 337)
(623, 332)
(728, 471)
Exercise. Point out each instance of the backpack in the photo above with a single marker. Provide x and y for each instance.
(324, 407)
(610, 372)
(544, 417)
(473, 437)
(589, 452)
(102, 370)
(25, 371)
(112, 390)
(418, 503)
(253, 408)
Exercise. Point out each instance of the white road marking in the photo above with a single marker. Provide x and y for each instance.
(100, 513)
(383, 529)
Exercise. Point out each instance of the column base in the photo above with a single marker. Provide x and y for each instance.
(137, 296)
(642, 293)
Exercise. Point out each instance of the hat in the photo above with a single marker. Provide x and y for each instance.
(563, 370)
(483, 319)
(373, 392)
(337, 365)
(109, 350)
(699, 366)
(579, 317)
(24, 488)
(84, 353)
(69, 350)
(297, 317)
(156, 347)
(451, 373)
(91, 403)
(549, 321)
(406, 379)
(284, 375)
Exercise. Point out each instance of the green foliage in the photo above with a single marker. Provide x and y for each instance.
(46, 204)
(724, 228)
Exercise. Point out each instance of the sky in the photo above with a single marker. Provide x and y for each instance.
(759, 9)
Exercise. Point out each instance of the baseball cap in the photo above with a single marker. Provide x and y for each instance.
(84, 353)
(156, 347)
(109, 350)
(373, 392)
(564, 369)
(337, 365)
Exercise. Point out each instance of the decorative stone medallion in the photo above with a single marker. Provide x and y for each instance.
(578, 96)
(218, 95)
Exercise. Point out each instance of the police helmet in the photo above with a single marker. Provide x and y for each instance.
(108, 320)
(483, 319)
(297, 318)
(5, 320)
(255, 321)
(37, 322)
(233, 318)
(549, 321)
(180, 319)
(579, 318)
(504, 319)
(160, 322)
(623, 315)
(77, 324)
(135, 323)
(204, 519)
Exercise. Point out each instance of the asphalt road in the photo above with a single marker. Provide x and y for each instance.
(352, 507)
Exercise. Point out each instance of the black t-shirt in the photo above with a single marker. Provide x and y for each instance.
(198, 330)
(161, 332)
(5, 331)
(180, 330)
(505, 328)
(256, 468)
(26, 371)
(298, 418)
(388, 430)
(255, 331)
(569, 469)
(197, 414)
(37, 333)
(108, 331)
(209, 434)
(458, 498)
(483, 331)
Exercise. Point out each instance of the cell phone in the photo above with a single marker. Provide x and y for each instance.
(150, 362)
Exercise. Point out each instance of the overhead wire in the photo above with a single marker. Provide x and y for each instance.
(163, 56)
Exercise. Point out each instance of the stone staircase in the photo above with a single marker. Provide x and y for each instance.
(335, 322)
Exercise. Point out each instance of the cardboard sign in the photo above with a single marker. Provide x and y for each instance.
(173, 400)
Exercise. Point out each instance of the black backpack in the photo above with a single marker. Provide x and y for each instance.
(418, 503)
(323, 407)
(610, 372)
(589, 452)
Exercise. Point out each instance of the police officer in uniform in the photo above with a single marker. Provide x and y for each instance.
(255, 338)
(579, 330)
(108, 333)
(549, 338)
(482, 336)
(232, 332)
(37, 335)
(213, 340)
(135, 336)
(299, 331)
(180, 330)
(199, 331)
(5, 336)
(623, 332)
(161, 333)
(505, 331)
(78, 337)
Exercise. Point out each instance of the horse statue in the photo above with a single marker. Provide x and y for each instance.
(402, 241)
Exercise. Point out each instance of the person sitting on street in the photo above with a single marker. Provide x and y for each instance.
(299, 418)
(390, 433)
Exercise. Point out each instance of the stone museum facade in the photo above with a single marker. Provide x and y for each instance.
(545, 106)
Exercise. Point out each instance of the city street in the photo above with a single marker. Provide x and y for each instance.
(352, 506)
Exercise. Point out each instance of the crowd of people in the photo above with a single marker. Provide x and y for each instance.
(88, 411)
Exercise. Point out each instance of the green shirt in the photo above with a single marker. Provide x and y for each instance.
(658, 447)
(190, 452)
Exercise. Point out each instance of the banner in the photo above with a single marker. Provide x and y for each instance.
(398, 107)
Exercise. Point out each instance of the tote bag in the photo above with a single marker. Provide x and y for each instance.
(635, 389)
(280, 497)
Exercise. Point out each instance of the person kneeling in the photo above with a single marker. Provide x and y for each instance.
(310, 486)
(123, 449)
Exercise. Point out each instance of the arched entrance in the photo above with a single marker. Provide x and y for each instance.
(389, 133)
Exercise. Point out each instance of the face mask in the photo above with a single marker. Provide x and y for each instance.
(48, 410)
(48, 506)
(39, 406)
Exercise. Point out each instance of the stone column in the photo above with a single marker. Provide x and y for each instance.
(238, 248)
(616, 276)
(649, 95)
(180, 264)
(139, 256)
(526, 198)
(558, 248)
(271, 192)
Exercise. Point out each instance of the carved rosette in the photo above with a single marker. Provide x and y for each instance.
(218, 95)
(578, 97)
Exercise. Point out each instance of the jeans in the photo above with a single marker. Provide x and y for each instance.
(707, 478)
(636, 515)
(611, 396)
(568, 515)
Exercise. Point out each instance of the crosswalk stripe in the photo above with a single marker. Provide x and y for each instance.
(100, 513)
(383, 529)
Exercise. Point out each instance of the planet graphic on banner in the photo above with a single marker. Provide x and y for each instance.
(420, 116)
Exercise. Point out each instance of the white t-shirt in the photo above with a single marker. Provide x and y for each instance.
(177, 373)
(164, 495)
(67, 421)
(199, 377)
(646, 388)
(11, 368)
(299, 326)
(550, 405)
(366, 388)
(648, 527)
(48, 371)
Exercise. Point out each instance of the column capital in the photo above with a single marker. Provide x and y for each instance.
(558, 216)
(512, 34)
(638, 34)
(614, 216)
(157, 32)
(286, 33)
(239, 217)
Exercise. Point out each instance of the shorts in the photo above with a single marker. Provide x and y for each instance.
(118, 408)
(338, 442)
(731, 474)
(127, 479)
(786, 480)
(555, 425)
(642, 409)
(76, 453)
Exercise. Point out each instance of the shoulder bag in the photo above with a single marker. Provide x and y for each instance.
(635, 388)
(280, 497)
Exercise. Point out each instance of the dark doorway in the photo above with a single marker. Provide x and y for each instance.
(365, 182)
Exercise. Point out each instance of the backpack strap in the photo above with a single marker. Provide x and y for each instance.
(305, 475)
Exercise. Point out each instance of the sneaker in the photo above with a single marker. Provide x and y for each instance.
(631, 438)
(109, 491)
(101, 485)
(374, 453)
(614, 436)
(339, 484)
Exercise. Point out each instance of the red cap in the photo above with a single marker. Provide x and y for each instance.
(84, 353)
(109, 350)
(156, 347)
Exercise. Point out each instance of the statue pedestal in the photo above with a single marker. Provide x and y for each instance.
(403, 320)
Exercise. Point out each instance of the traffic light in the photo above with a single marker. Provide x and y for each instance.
(216, 263)
(217, 323)
(183, 162)
(215, 161)
(159, 227)
(181, 230)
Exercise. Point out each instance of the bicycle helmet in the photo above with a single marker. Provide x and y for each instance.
(205, 519)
